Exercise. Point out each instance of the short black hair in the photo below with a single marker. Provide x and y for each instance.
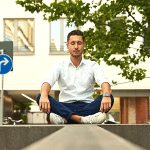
(75, 32)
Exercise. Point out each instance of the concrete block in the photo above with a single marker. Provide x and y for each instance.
(20, 136)
(138, 133)
(83, 137)
(75, 137)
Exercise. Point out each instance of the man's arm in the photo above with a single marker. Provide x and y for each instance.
(106, 88)
(44, 101)
(106, 101)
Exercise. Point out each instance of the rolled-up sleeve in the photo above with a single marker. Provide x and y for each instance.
(99, 74)
(53, 75)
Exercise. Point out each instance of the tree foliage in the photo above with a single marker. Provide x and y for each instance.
(22, 106)
(102, 43)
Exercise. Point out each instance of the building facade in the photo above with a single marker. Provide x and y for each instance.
(38, 44)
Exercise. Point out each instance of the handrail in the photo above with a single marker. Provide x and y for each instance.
(14, 121)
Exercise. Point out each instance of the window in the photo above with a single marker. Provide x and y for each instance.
(58, 35)
(21, 32)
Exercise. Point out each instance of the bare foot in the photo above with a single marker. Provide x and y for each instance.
(76, 118)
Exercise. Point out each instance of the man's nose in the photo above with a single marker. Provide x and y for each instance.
(76, 45)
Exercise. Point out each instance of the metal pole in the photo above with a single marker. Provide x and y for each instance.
(1, 99)
(146, 108)
(124, 110)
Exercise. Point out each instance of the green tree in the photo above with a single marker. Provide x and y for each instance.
(124, 31)
(22, 107)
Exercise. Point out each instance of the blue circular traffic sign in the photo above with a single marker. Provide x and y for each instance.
(5, 64)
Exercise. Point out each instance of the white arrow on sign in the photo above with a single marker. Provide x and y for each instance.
(4, 61)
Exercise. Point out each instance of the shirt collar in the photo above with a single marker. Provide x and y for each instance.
(82, 61)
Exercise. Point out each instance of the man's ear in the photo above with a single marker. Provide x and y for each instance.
(67, 45)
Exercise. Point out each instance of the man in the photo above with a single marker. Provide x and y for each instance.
(76, 78)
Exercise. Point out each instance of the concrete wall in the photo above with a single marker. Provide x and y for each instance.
(29, 71)
(73, 137)
(137, 134)
(18, 137)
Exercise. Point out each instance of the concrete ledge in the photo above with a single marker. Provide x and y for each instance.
(137, 133)
(20, 136)
(73, 137)
(83, 137)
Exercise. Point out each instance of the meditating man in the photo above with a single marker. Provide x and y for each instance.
(76, 78)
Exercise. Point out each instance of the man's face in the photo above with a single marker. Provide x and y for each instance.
(75, 45)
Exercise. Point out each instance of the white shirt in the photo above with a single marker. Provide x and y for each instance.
(76, 84)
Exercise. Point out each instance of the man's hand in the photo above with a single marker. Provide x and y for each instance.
(44, 104)
(105, 104)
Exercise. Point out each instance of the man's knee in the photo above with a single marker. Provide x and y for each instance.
(38, 98)
(112, 100)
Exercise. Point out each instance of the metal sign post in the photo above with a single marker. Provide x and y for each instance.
(6, 58)
(5, 67)
(1, 99)
(1, 112)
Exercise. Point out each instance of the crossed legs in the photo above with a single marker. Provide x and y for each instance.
(74, 111)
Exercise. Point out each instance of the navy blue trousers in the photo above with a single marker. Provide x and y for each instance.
(79, 108)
